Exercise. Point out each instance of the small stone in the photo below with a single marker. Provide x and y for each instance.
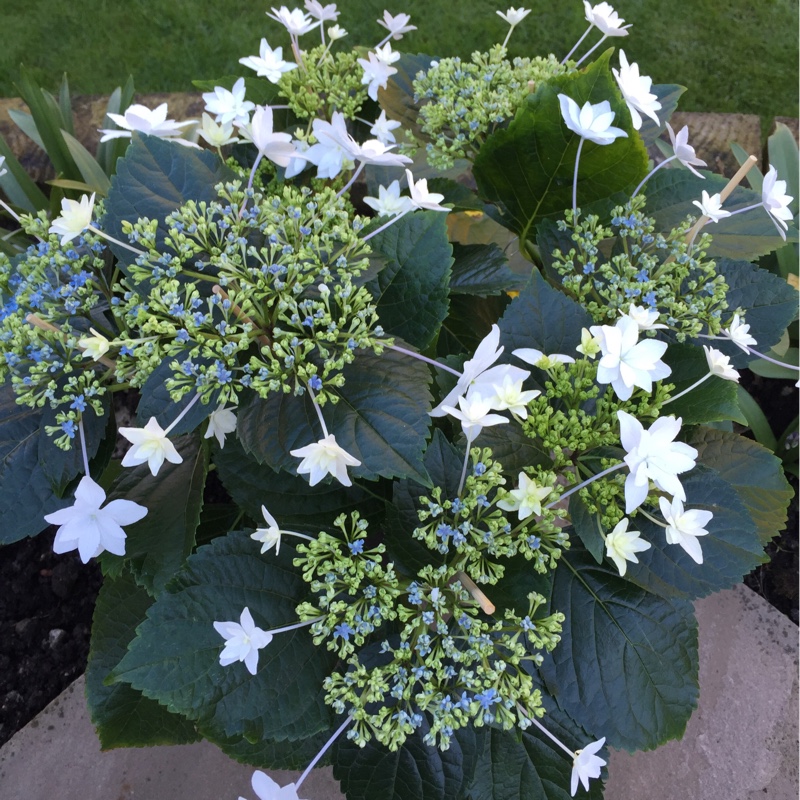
(56, 636)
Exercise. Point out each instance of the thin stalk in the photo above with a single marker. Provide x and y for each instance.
(587, 482)
(688, 389)
(652, 518)
(508, 36)
(420, 357)
(464, 468)
(352, 180)
(337, 733)
(294, 626)
(12, 212)
(575, 180)
(590, 51)
(546, 732)
(115, 241)
(772, 360)
(651, 173)
(83, 447)
(577, 44)
(318, 410)
(383, 227)
(240, 315)
(183, 413)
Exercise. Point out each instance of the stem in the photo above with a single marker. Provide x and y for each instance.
(385, 225)
(43, 325)
(182, 414)
(299, 535)
(771, 360)
(240, 315)
(575, 180)
(584, 57)
(295, 626)
(115, 241)
(508, 36)
(746, 208)
(337, 733)
(546, 732)
(427, 360)
(83, 447)
(586, 483)
(464, 468)
(352, 180)
(12, 212)
(688, 389)
(318, 410)
(577, 44)
(651, 173)
(652, 518)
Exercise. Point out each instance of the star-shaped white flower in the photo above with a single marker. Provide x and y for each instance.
(267, 789)
(221, 422)
(592, 121)
(720, 365)
(421, 197)
(323, 458)
(626, 361)
(373, 151)
(389, 202)
(776, 201)
(268, 63)
(386, 55)
(653, 455)
(151, 445)
(94, 346)
(473, 413)
(243, 640)
(376, 74)
(335, 148)
(396, 25)
(382, 129)
(295, 21)
(604, 17)
(90, 529)
(336, 32)
(271, 535)
(635, 89)
(739, 334)
(585, 764)
(327, 13)
(153, 122)
(683, 527)
(277, 147)
(514, 15)
(508, 396)
(536, 358)
(217, 135)
(622, 545)
(527, 499)
(684, 152)
(711, 206)
(75, 218)
(589, 346)
(645, 318)
(229, 106)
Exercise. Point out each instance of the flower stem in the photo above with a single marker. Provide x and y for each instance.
(83, 447)
(577, 44)
(318, 410)
(294, 626)
(420, 357)
(336, 734)
(115, 241)
(352, 180)
(772, 360)
(546, 732)
(575, 180)
(586, 483)
(688, 388)
(240, 315)
(589, 52)
(652, 518)
(385, 225)
(651, 173)
(11, 212)
(182, 414)
(464, 468)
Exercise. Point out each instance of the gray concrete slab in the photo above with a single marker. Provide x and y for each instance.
(741, 744)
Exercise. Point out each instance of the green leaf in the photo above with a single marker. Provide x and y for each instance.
(769, 370)
(626, 666)
(153, 179)
(158, 545)
(715, 399)
(512, 448)
(25, 493)
(276, 754)
(731, 549)
(120, 714)
(544, 318)
(456, 195)
(668, 95)
(175, 656)
(109, 151)
(587, 527)
(381, 419)
(469, 321)
(17, 184)
(415, 770)
(482, 270)
(753, 471)
(411, 291)
(527, 169)
(756, 420)
(91, 171)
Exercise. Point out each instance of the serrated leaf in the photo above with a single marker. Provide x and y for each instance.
(122, 716)
(626, 666)
(527, 169)
(175, 656)
(411, 291)
(381, 419)
(276, 754)
(753, 471)
(482, 270)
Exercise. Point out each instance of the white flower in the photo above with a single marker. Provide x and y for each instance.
(711, 207)
(376, 74)
(268, 63)
(389, 202)
(473, 413)
(776, 201)
(335, 147)
(382, 129)
(514, 15)
(386, 55)
(421, 197)
(325, 457)
(243, 640)
(94, 346)
(653, 455)
(586, 764)
(622, 545)
(220, 424)
(645, 318)
(684, 151)
(89, 529)
(527, 499)
(397, 25)
(508, 396)
(683, 527)
(592, 121)
(295, 21)
(267, 789)
(536, 358)
(150, 121)
(277, 147)
(604, 17)
(336, 32)
(75, 218)
(373, 151)
(326, 13)
(720, 365)
(217, 135)
(589, 346)
(739, 334)
(626, 361)
(635, 89)
(270, 536)
(150, 444)
(229, 106)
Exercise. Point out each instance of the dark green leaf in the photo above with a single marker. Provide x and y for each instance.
(512, 448)
(756, 419)
(121, 715)
(482, 269)
(587, 527)
(17, 184)
(411, 291)
(469, 321)
(274, 753)
(527, 168)
(175, 656)
(456, 195)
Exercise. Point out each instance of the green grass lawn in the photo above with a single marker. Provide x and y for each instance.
(714, 47)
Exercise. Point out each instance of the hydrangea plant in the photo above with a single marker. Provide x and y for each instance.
(389, 497)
